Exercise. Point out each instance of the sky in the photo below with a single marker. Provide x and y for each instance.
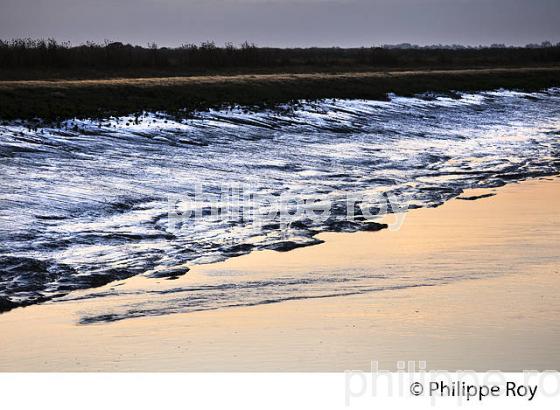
(284, 23)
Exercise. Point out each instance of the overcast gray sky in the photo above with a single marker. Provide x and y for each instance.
(284, 22)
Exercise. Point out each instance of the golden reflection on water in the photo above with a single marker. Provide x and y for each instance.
(507, 321)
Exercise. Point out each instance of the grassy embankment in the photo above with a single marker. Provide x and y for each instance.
(103, 97)
(52, 81)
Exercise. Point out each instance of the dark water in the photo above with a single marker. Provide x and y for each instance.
(87, 203)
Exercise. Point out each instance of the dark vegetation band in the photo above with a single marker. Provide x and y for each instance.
(50, 54)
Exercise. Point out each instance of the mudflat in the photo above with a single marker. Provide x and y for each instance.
(494, 307)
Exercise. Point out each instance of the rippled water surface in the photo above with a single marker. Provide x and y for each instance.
(85, 203)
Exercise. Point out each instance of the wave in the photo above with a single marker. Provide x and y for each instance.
(85, 202)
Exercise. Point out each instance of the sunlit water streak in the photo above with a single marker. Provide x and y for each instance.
(86, 203)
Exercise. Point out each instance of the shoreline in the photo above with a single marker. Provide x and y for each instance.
(54, 100)
(506, 242)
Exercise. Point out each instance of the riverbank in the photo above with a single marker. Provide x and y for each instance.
(496, 308)
(96, 98)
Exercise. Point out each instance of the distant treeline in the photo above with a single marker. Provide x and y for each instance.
(49, 54)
